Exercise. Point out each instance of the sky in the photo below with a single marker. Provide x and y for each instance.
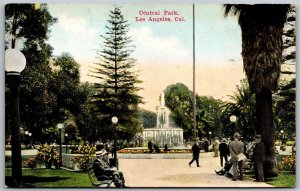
(164, 50)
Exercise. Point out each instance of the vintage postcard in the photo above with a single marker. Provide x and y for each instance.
(150, 95)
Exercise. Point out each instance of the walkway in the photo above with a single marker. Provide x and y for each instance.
(157, 172)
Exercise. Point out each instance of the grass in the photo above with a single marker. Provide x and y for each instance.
(51, 178)
(284, 179)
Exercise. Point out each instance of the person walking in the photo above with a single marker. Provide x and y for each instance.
(196, 153)
(216, 147)
(259, 157)
(236, 147)
(224, 151)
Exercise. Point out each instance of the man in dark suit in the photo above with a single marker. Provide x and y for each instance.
(259, 157)
(196, 153)
(224, 151)
(236, 147)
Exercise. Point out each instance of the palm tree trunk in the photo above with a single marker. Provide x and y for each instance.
(262, 29)
(262, 57)
(265, 127)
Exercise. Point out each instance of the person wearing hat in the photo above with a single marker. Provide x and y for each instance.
(259, 157)
(236, 147)
(101, 167)
(196, 153)
(224, 151)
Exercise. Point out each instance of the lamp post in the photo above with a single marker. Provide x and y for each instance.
(115, 120)
(233, 120)
(29, 134)
(282, 136)
(60, 126)
(26, 139)
(15, 63)
(209, 137)
(66, 140)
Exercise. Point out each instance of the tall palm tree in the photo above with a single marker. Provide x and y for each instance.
(242, 105)
(262, 46)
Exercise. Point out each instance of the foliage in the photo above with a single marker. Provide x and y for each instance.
(242, 105)
(116, 90)
(288, 67)
(285, 109)
(47, 154)
(29, 26)
(87, 153)
(65, 83)
(179, 99)
(31, 162)
(208, 116)
(285, 104)
(147, 118)
(255, 33)
(288, 163)
(86, 120)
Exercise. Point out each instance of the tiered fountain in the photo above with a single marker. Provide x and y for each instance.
(163, 134)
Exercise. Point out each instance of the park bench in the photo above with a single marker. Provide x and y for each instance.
(104, 182)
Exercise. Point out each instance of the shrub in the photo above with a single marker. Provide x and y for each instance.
(47, 154)
(288, 163)
(87, 155)
(290, 143)
(31, 162)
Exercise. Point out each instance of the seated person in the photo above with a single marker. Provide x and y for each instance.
(225, 169)
(101, 167)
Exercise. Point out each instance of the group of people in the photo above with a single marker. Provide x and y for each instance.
(235, 149)
(153, 147)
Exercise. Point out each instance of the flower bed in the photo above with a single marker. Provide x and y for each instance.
(141, 150)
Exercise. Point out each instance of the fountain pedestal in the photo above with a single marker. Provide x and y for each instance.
(172, 137)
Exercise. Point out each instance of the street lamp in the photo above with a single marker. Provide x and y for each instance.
(60, 126)
(15, 63)
(115, 120)
(66, 140)
(209, 137)
(233, 120)
(26, 139)
(30, 144)
(282, 136)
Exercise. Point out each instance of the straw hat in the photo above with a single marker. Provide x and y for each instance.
(101, 153)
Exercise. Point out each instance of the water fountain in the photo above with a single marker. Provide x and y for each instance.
(163, 134)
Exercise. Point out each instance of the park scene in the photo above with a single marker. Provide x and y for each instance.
(150, 95)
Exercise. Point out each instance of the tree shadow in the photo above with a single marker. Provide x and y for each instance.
(29, 181)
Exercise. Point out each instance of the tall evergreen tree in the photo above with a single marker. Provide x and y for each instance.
(116, 91)
(285, 98)
(288, 67)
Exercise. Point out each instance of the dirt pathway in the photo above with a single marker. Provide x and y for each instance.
(177, 173)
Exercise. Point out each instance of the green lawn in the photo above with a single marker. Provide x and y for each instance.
(51, 178)
(284, 179)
